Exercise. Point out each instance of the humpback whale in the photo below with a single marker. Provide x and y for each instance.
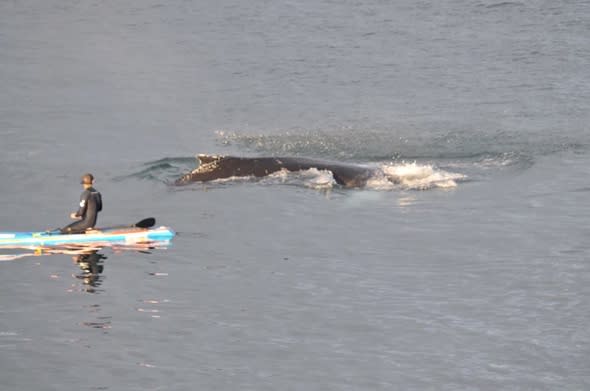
(213, 167)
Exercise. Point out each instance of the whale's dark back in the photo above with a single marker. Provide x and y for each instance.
(219, 167)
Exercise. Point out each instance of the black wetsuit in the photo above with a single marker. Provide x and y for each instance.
(90, 205)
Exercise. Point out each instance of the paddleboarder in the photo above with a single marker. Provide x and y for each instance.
(90, 205)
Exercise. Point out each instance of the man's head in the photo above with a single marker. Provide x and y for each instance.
(87, 180)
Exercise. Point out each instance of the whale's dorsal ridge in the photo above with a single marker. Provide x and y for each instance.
(213, 167)
(204, 158)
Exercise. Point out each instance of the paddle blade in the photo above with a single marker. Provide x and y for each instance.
(146, 223)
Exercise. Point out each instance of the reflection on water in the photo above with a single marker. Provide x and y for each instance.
(91, 265)
(101, 322)
(88, 257)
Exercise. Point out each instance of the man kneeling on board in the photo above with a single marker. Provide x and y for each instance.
(90, 205)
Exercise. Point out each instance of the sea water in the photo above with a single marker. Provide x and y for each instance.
(468, 271)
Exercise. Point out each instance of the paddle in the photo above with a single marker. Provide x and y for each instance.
(145, 223)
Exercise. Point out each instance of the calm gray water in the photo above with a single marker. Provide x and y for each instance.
(470, 273)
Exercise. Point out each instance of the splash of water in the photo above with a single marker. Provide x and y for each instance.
(413, 176)
(389, 176)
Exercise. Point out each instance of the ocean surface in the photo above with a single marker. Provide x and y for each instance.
(469, 271)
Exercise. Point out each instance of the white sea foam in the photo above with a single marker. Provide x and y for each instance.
(318, 179)
(411, 176)
(312, 178)
(415, 176)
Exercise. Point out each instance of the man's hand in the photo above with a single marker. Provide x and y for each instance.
(73, 216)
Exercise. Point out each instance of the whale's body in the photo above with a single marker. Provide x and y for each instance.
(213, 167)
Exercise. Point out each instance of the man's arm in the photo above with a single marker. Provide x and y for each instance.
(83, 205)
